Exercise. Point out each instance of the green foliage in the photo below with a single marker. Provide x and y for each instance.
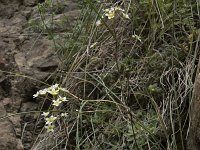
(140, 133)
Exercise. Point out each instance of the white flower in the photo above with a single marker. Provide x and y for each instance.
(50, 120)
(125, 16)
(43, 92)
(109, 9)
(98, 23)
(40, 92)
(50, 128)
(137, 37)
(56, 102)
(110, 14)
(119, 9)
(45, 114)
(55, 86)
(53, 91)
(64, 114)
(62, 99)
(36, 95)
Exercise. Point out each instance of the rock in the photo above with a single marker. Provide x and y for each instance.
(18, 20)
(65, 11)
(2, 61)
(30, 2)
(8, 8)
(38, 62)
(11, 26)
(3, 29)
(20, 60)
(16, 121)
(8, 139)
(13, 103)
(28, 106)
(7, 102)
(19, 145)
(28, 137)
(65, 21)
(39, 52)
(28, 123)
(26, 12)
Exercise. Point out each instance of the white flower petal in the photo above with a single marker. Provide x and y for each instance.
(45, 114)
(50, 128)
(36, 95)
(50, 120)
(56, 102)
(64, 114)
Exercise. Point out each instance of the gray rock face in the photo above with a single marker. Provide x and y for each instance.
(8, 8)
(8, 139)
(38, 59)
(30, 2)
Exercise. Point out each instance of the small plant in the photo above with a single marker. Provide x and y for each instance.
(53, 93)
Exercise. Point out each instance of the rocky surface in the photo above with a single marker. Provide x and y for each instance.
(9, 139)
(25, 52)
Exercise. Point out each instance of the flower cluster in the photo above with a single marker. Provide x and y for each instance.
(50, 122)
(53, 90)
(57, 100)
(110, 12)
